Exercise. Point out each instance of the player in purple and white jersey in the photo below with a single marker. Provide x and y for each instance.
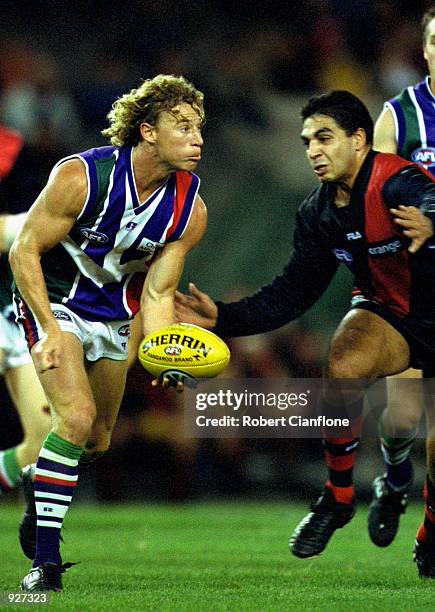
(107, 236)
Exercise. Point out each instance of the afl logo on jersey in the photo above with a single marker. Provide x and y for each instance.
(93, 236)
(425, 156)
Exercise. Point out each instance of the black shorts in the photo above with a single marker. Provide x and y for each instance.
(420, 336)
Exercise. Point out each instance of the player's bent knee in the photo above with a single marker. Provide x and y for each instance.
(77, 425)
(402, 415)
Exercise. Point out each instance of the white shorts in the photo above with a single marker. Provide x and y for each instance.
(99, 340)
(12, 343)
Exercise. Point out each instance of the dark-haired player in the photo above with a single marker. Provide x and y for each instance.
(359, 216)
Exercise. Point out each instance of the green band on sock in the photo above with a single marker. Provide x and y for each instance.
(406, 439)
(59, 445)
(12, 469)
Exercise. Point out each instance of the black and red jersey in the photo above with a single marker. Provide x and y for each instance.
(362, 236)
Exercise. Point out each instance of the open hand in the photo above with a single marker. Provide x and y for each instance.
(197, 308)
(415, 224)
(175, 380)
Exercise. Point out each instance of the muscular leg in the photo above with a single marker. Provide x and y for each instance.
(405, 405)
(427, 528)
(398, 426)
(136, 336)
(73, 408)
(424, 551)
(32, 407)
(364, 347)
(107, 379)
(30, 402)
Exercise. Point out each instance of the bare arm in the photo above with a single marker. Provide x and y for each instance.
(157, 300)
(384, 137)
(48, 222)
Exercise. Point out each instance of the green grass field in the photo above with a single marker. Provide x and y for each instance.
(219, 556)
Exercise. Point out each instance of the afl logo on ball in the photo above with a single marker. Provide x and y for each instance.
(173, 350)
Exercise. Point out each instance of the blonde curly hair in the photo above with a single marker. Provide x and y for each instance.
(144, 104)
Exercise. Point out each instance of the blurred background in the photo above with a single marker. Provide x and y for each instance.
(62, 65)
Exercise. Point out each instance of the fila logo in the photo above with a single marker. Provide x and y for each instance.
(353, 236)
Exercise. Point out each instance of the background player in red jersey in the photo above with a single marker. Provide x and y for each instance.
(359, 215)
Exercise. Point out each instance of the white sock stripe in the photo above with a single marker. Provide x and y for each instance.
(48, 454)
(44, 509)
(49, 473)
(3, 471)
(49, 524)
(67, 498)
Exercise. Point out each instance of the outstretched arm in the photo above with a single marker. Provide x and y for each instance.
(303, 281)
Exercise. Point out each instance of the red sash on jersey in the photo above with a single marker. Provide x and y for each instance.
(380, 226)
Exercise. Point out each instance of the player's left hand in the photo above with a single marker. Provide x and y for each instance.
(415, 225)
(167, 382)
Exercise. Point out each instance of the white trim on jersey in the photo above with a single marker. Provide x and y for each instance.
(420, 117)
(88, 194)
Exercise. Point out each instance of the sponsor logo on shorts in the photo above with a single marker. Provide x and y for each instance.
(425, 156)
(61, 315)
(124, 330)
(93, 236)
(173, 350)
(343, 255)
(381, 249)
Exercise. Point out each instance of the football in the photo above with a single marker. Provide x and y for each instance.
(183, 349)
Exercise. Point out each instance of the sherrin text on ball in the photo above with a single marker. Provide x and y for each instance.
(185, 349)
